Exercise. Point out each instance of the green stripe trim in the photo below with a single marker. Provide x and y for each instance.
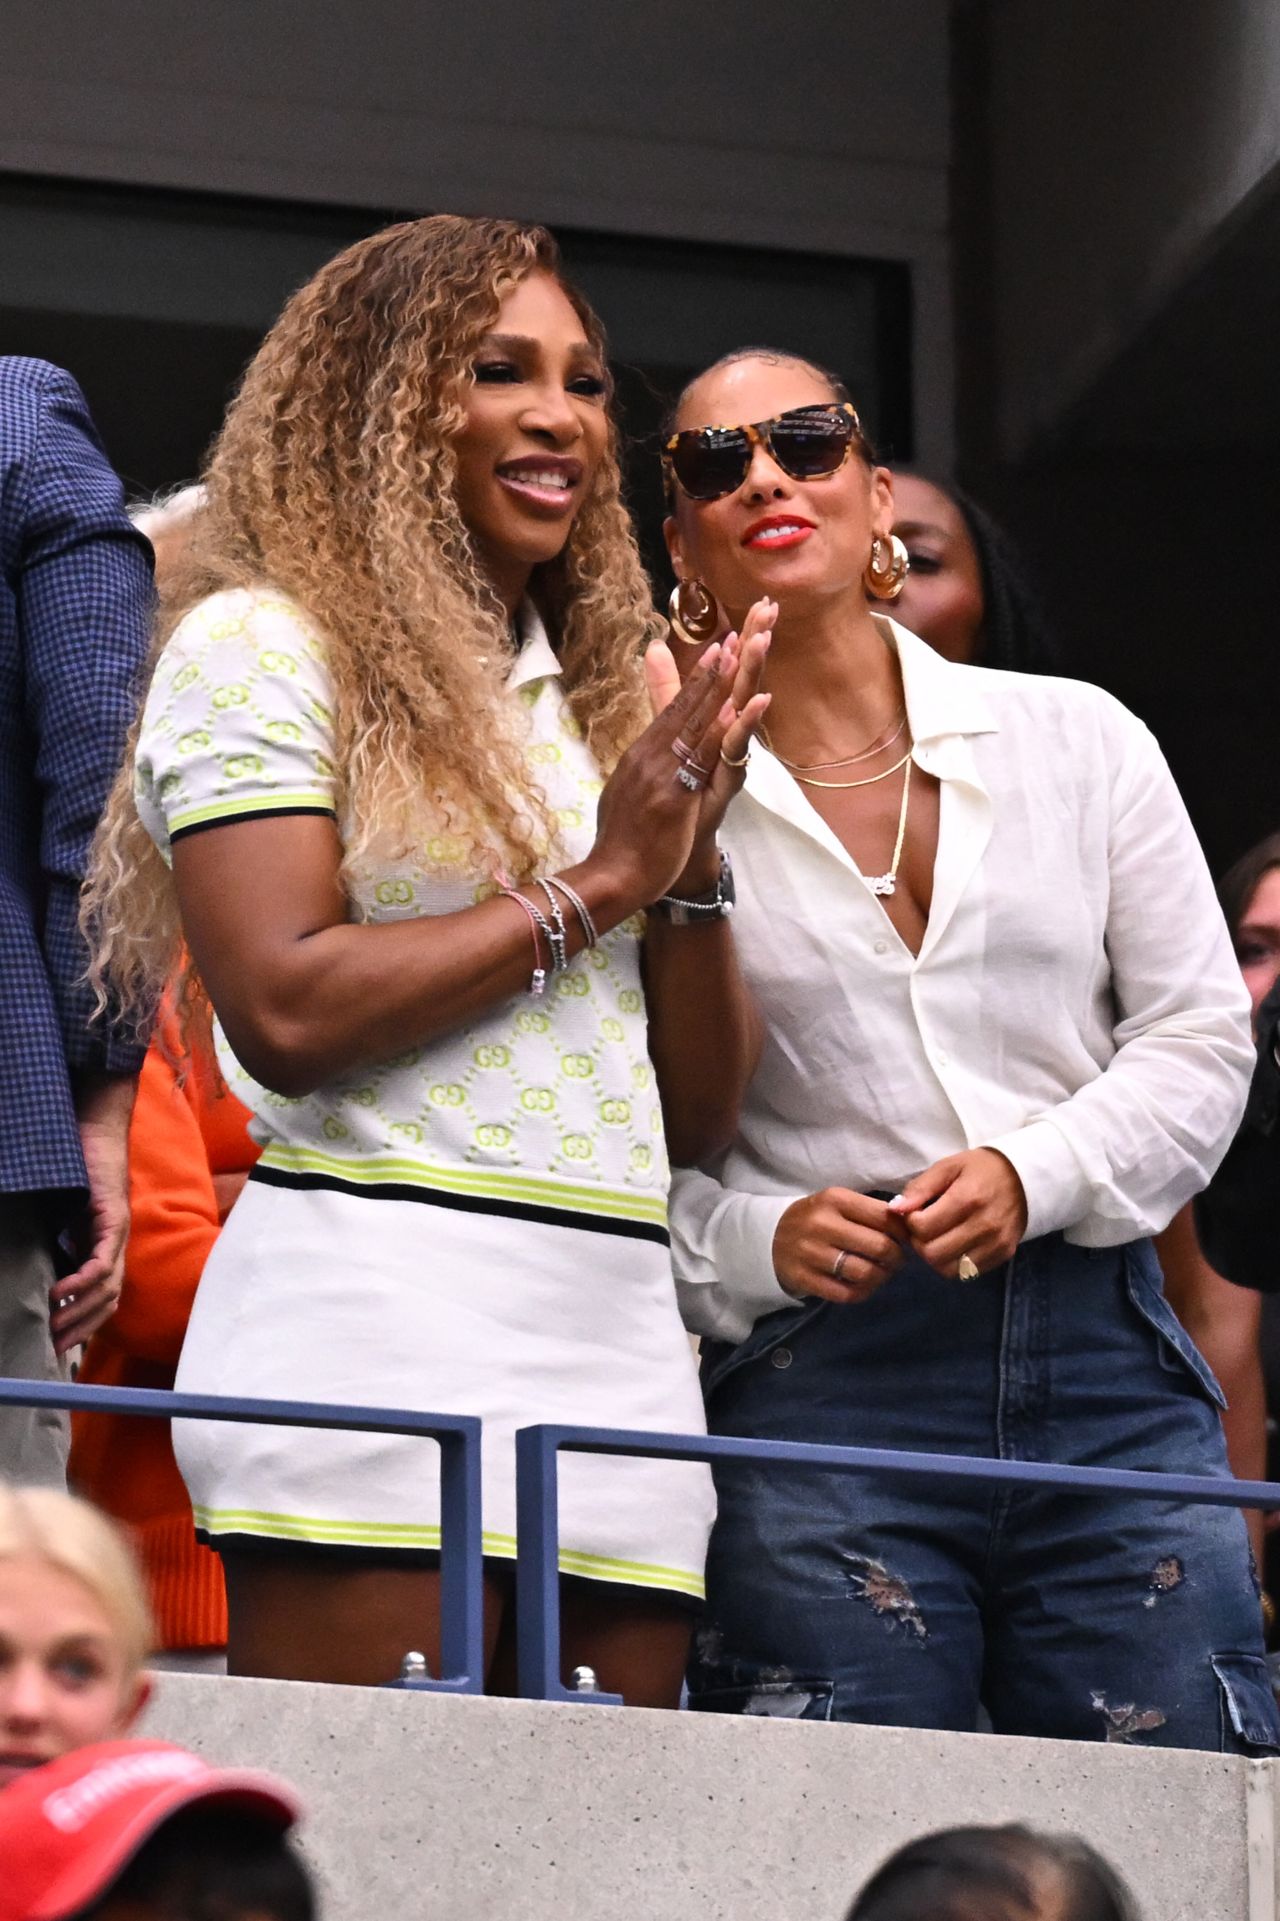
(489, 1183)
(405, 1534)
(235, 808)
(633, 1573)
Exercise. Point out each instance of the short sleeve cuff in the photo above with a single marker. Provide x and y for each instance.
(1055, 1186)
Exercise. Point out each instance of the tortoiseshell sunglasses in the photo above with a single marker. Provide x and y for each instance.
(806, 442)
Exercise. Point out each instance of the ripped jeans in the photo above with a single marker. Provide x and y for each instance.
(837, 1597)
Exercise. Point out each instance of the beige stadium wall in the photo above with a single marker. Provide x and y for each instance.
(433, 1808)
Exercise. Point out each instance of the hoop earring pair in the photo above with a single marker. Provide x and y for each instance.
(886, 571)
(696, 617)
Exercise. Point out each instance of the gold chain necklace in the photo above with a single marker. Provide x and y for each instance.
(868, 780)
(887, 883)
(849, 760)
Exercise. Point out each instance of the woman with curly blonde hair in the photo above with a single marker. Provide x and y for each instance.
(383, 787)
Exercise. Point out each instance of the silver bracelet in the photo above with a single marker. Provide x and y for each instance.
(716, 904)
(557, 932)
(580, 908)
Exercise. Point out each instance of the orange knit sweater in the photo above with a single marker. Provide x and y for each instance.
(179, 1140)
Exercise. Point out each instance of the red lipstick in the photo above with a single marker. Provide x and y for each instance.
(773, 532)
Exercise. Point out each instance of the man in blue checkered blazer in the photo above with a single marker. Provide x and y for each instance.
(75, 602)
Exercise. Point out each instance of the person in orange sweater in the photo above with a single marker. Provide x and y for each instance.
(189, 1155)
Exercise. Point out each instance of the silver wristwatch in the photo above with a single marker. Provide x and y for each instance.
(716, 904)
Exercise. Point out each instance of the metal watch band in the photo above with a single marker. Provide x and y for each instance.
(716, 904)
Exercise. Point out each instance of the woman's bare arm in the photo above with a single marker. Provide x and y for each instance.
(305, 995)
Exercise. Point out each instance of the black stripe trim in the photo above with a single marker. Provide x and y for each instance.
(238, 820)
(466, 1203)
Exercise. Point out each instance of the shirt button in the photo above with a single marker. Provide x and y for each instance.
(781, 1357)
(943, 1060)
(882, 947)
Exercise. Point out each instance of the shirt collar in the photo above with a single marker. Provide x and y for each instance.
(943, 697)
(536, 659)
(945, 704)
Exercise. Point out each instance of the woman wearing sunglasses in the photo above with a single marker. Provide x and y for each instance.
(987, 1077)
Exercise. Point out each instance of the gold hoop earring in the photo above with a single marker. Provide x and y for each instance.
(694, 613)
(886, 571)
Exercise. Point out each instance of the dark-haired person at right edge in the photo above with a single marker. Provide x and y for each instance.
(988, 1077)
(1237, 1218)
(1239, 1214)
(1225, 1320)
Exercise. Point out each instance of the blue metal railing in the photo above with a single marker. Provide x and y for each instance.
(537, 1507)
(458, 1435)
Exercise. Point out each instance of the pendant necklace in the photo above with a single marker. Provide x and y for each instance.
(887, 883)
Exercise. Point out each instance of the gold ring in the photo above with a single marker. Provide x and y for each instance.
(837, 1266)
(735, 763)
(966, 1268)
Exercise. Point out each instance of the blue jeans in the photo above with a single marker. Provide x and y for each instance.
(837, 1597)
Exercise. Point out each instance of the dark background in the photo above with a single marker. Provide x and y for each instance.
(158, 388)
(1148, 516)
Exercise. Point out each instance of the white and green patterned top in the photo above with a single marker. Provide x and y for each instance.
(477, 1226)
(540, 1104)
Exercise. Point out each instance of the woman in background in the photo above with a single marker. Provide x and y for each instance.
(966, 591)
(1250, 893)
(75, 1629)
(1235, 1328)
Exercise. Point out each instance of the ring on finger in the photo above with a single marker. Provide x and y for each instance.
(729, 761)
(68, 1300)
(687, 778)
(967, 1268)
(837, 1266)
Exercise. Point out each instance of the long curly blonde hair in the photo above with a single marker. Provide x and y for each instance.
(332, 481)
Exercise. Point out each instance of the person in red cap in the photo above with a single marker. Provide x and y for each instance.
(145, 1831)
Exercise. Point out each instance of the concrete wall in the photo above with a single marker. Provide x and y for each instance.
(1123, 142)
(426, 1807)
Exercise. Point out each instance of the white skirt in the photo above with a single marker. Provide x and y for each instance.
(320, 1295)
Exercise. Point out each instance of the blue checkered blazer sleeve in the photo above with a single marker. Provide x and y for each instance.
(82, 587)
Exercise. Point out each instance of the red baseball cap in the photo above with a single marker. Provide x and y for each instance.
(68, 1829)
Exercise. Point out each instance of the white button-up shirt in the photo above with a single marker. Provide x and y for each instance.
(1075, 1003)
